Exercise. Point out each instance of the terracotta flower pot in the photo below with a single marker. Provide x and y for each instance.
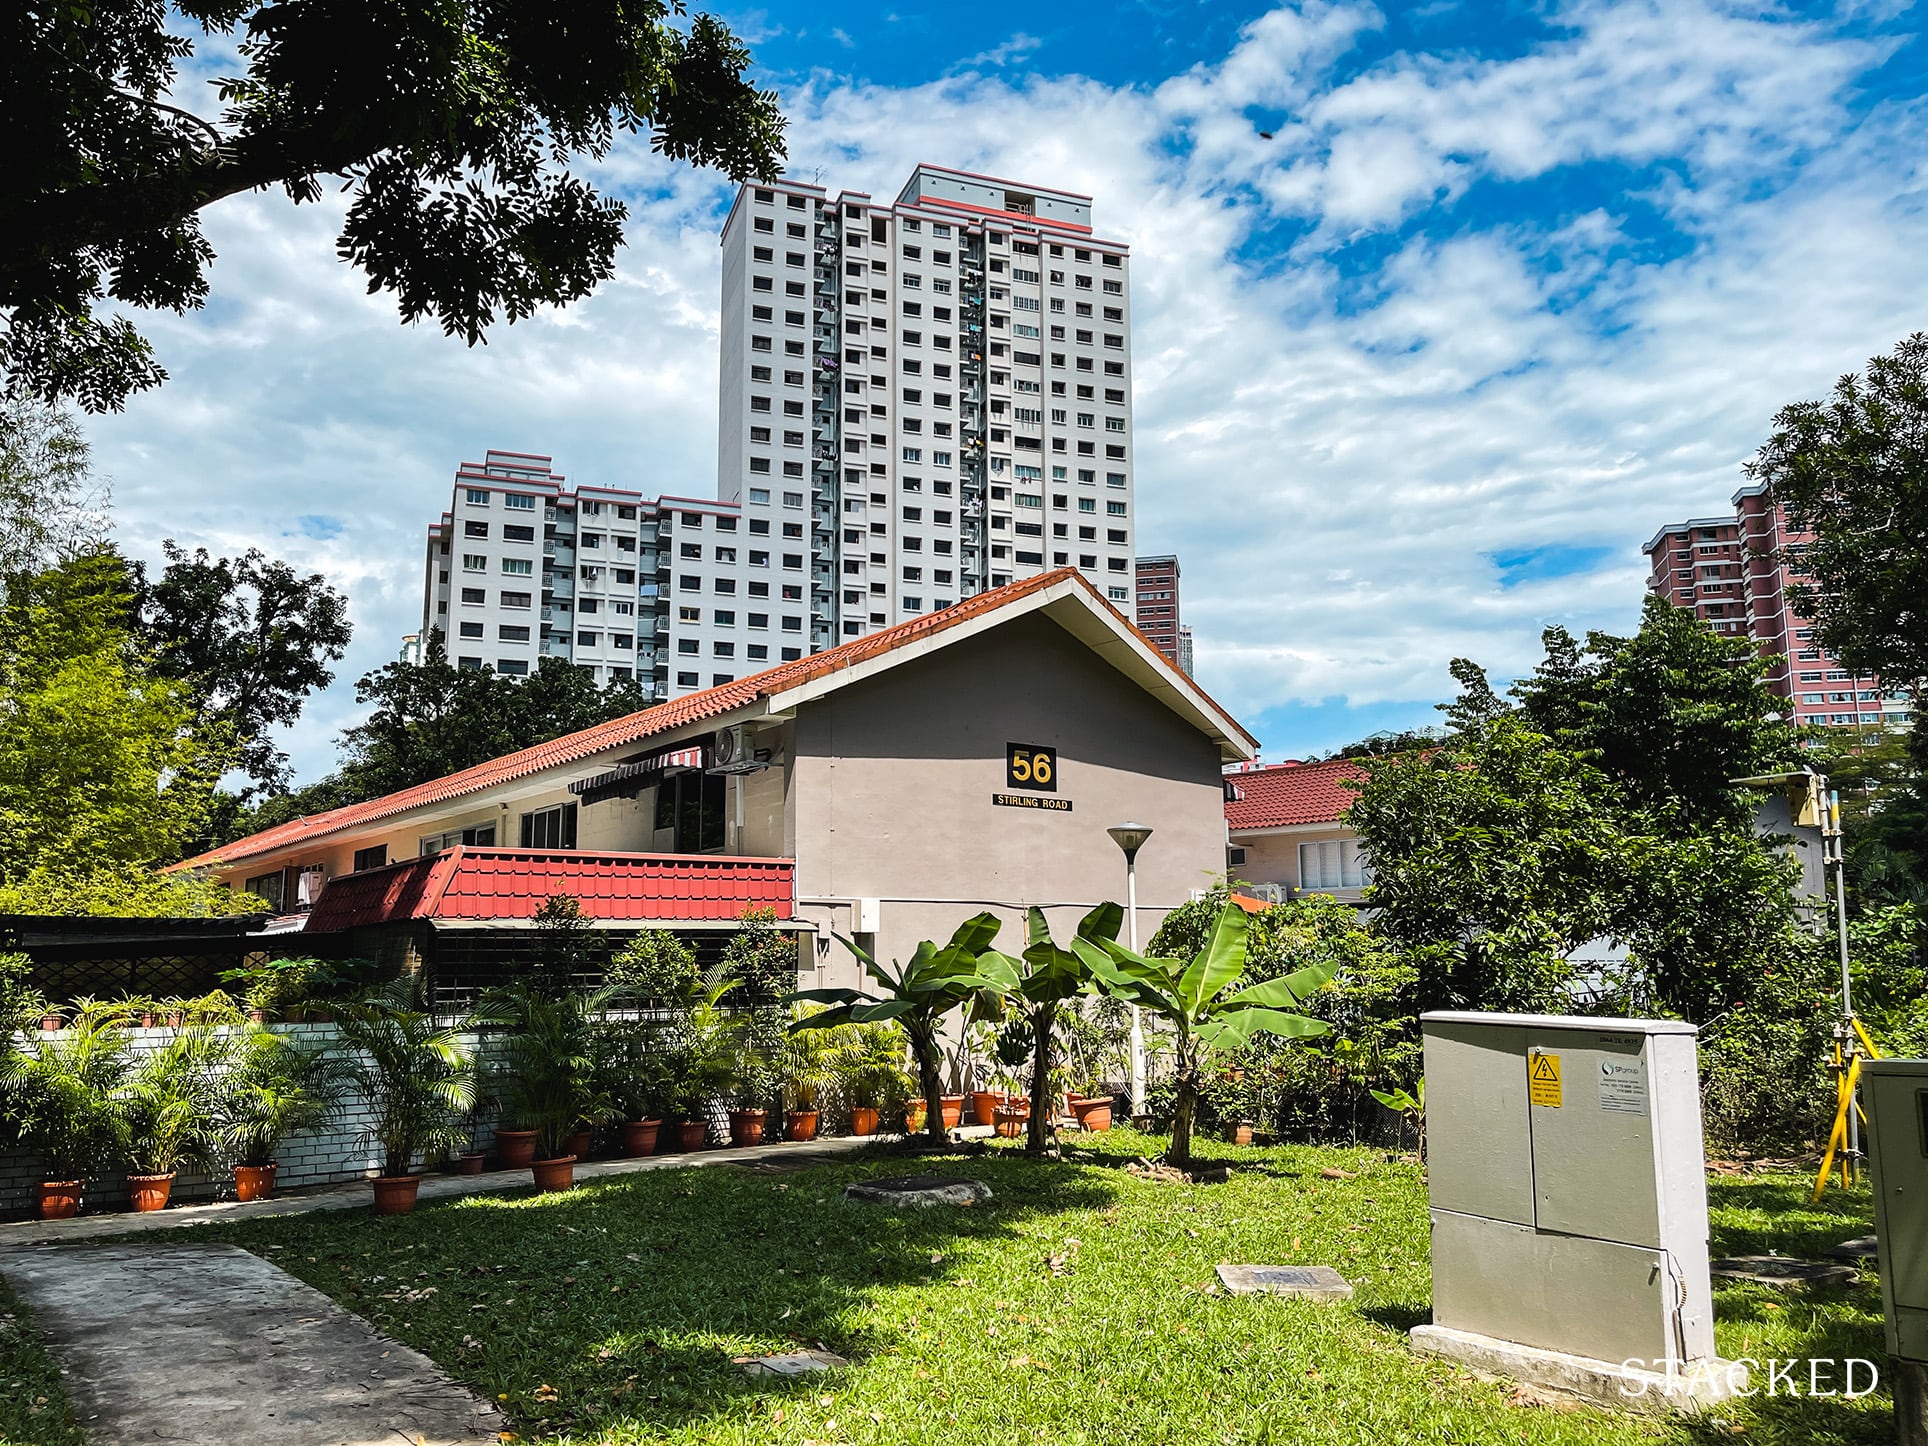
(863, 1120)
(149, 1192)
(639, 1136)
(254, 1182)
(1010, 1119)
(692, 1134)
(395, 1194)
(515, 1148)
(50, 1022)
(1238, 1134)
(470, 1162)
(1093, 1114)
(58, 1199)
(556, 1174)
(952, 1107)
(914, 1117)
(800, 1125)
(746, 1126)
(577, 1144)
(984, 1105)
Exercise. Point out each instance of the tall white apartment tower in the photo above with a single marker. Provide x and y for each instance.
(947, 380)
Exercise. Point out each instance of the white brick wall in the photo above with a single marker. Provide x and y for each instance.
(339, 1154)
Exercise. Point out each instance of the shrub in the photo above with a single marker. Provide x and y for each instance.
(656, 967)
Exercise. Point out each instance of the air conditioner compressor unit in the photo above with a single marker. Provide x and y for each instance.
(735, 751)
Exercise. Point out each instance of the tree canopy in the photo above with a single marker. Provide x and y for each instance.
(453, 128)
(1853, 470)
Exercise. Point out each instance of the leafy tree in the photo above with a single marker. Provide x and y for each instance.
(105, 771)
(1884, 812)
(1670, 714)
(453, 128)
(51, 505)
(1197, 1000)
(251, 638)
(1494, 858)
(1853, 470)
(919, 995)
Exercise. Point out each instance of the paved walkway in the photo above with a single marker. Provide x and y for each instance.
(776, 1155)
(208, 1345)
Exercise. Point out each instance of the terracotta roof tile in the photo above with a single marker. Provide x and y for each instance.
(663, 718)
(1290, 793)
(471, 883)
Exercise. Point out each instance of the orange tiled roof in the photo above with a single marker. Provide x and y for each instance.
(652, 722)
(1290, 793)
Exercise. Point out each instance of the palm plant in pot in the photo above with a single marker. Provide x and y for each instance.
(416, 1075)
(173, 1106)
(60, 1101)
(547, 1075)
(871, 1066)
(704, 1063)
(279, 1085)
(807, 1062)
(633, 1075)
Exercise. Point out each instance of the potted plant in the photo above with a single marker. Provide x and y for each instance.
(547, 1072)
(808, 1063)
(704, 1063)
(1011, 1115)
(60, 1101)
(632, 1073)
(871, 1066)
(754, 1080)
(279, 1085)
(173, 1107)
(416, 1077)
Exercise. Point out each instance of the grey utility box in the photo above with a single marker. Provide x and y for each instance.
(1569, 1202)
(1895, 1094)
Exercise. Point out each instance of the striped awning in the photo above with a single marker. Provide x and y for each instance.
(640, 772)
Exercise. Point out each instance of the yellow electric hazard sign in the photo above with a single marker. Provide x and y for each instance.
(1543, 1080)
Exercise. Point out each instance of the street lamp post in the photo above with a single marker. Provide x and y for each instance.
(1130, 837)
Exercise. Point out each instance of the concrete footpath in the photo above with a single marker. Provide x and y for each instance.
(356, 1193)
(207, 1345)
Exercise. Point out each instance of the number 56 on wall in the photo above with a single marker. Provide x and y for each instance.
(1028, 766)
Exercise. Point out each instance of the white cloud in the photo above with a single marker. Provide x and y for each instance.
(1369, 351)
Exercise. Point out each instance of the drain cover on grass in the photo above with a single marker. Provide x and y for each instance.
(919, 1190)
(790, 1364)
(1780, 1270)
(1862, 1247)
(1312, 1282)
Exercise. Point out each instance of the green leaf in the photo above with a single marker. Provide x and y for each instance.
(1294, 988)
(1221, 960)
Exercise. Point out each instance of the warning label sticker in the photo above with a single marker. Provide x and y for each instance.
(1623, 1086)
(1543, 1080)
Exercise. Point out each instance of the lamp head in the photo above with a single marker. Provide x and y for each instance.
(1130, 837)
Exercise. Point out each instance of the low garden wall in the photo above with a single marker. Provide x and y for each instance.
(344, 1152)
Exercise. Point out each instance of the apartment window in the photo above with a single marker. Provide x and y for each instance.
(469, 630)
(475, 595)
(518, 566)
(550, 828)
(512, 632)
(478, 496)
(474, 562)
(511, 667)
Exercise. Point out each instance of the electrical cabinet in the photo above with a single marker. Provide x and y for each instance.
(1895, 1095)
(1569, 1203)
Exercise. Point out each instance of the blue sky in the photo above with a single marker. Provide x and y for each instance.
(1506, 288)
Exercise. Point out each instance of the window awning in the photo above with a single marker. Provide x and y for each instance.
(626, 779)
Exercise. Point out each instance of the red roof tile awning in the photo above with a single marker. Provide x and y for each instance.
(478, 885)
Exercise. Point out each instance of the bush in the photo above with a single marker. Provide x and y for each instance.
(656, 968)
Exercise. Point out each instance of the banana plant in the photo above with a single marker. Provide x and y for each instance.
(1040, 983)
(918, 995)
(1191, 996)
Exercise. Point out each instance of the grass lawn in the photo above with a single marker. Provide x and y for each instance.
(1077, 1308)
(33, 1404)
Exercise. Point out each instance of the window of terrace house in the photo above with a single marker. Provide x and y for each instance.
(550, 828)
(1337, 864)
(480, 836)
(268, 887)
(374, 857)
(692, 805)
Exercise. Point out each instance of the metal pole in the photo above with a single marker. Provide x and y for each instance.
(1849, 1041)
(1137, 1023)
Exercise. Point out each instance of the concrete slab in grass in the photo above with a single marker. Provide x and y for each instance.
(790, 1365)
(1781, 1270)
(206, 1345)
(1309, 1282)
(919, 1190)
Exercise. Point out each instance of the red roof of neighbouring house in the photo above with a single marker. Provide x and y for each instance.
(480, 883)
(677, 713)
(1289, 793)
